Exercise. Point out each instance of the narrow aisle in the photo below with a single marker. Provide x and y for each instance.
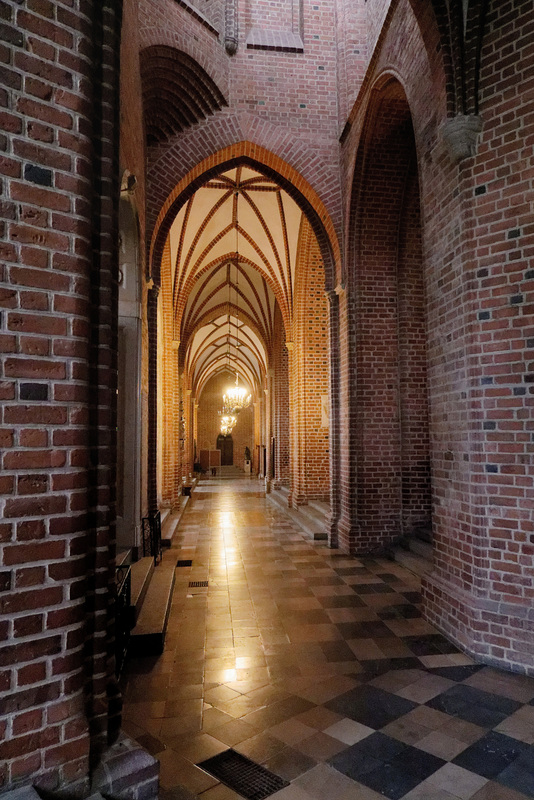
(319, 667)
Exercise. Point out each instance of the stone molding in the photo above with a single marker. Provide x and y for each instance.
(460, 134)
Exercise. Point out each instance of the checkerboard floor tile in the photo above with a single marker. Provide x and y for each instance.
(320, 668)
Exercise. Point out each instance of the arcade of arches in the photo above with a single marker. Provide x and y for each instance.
(328, 203)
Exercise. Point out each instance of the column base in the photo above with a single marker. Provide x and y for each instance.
(495, 633)
(126, 772)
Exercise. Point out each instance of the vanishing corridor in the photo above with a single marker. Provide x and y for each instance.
(318, 667)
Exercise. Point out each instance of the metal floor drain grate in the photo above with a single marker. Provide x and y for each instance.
(245, 777)
(184, 563)
(197, 584)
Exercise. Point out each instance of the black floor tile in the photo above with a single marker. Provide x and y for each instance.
(406, 611)
(474, 705)
(365, 756)
(429, 645)
(413, 597)
(457, 674)
(388, 577)
(390, 780)
(364, 630)
(520, 774)
(373, 588)
(386, 765)
(351, 570)
(418, 763)
(372, 668)
(325, 580)
(370, 706)
(492, 754)
(337, 651)
(342, 601)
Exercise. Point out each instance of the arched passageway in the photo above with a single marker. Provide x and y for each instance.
(242, 273)
(388, 457)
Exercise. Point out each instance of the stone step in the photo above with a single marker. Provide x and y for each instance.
(321, 507)
(421, 548)
(141, 573)
(164, 513)
(414, 563)
(171, 523)
(148, 636)
(310, 522)
(414, 554)
(316, 514)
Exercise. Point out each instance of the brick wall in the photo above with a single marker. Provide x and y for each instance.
(58, 363)
(281, 403)
(481, 591)
(308, 371)
(386, 285)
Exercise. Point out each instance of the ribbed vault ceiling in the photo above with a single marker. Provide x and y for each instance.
(225, 316)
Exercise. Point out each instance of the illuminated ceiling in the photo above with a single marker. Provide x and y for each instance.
(225, 316)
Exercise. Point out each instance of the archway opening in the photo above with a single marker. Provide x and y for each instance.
(390, 442)
(242, 275)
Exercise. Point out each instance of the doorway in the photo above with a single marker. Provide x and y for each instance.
(226, 445)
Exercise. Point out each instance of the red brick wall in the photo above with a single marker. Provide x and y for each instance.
(412, 366)
(385, 283)
(170, 392)
(58, 364)
(476, 243)
(309, 370)
(281, 402)
(481, 591)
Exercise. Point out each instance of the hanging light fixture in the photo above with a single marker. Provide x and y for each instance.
(236, 397)
(227, 423)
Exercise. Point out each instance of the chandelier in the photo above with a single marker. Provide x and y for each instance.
(227, 423)
(237, 397)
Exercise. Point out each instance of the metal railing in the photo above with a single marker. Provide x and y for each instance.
(151, 536)
(123, 615)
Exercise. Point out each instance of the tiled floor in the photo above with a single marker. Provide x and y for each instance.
(319, 667)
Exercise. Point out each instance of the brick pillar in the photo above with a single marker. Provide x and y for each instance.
(281, 404)
(268, 392)
(309, 375)
(152, 321)
(58, 697)
(169, 387)
(334, 450)
(348, 528)
(187, 451)
(257, 437)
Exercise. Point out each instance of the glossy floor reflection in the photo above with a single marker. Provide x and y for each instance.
(319, 667)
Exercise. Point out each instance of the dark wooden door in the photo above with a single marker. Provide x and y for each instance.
(226, 445)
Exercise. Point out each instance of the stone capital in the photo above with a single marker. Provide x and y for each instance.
(460, 135)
